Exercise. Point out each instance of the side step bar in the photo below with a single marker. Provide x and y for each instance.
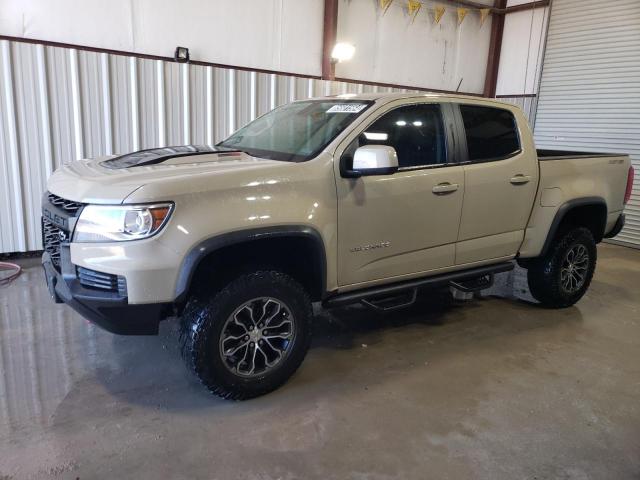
(473, 285)
(441, 280)
(387, 303)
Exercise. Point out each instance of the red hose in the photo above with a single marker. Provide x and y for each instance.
(17, 270)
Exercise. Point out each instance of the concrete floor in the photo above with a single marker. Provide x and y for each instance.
(494, 388)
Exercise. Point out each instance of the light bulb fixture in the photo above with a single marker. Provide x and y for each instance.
(342, 52)
(181, 55)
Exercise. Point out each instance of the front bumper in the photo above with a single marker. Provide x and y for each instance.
(109, 310)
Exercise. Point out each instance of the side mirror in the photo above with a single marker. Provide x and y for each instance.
(374, 160)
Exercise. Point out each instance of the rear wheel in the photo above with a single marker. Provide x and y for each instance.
(250, 337)
(561, 278)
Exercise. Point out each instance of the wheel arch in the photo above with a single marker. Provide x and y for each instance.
(589, 212)
(247, 238)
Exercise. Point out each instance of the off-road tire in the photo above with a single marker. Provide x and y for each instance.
(544, 274)
(202, 323)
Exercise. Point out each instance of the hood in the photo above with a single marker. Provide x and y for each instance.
(112, 179)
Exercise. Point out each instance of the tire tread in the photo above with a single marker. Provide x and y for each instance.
(542, 274)
(200, 312)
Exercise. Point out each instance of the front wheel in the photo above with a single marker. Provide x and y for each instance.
(250, 337)
(561, 278)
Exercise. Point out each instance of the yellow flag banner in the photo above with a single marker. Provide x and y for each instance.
(462, 12)
(384, 5)
(438, 13)
(484, 13)
(413, 7)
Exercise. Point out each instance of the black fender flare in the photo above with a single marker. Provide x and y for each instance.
(562, 212)
(204, 248)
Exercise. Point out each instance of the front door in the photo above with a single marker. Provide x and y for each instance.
(406, 223)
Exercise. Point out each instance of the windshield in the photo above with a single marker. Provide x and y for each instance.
(297, 131)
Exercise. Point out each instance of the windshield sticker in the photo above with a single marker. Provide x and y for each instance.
(347, 108)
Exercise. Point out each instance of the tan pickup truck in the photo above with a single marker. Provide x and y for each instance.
(367, 198)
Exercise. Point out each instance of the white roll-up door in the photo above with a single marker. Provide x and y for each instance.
(589, 95)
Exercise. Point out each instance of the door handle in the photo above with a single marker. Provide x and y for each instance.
(444, 188)
(520, 179)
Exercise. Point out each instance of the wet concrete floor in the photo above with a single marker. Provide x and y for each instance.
(492, 388)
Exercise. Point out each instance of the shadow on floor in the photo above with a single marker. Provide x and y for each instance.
(150, 371)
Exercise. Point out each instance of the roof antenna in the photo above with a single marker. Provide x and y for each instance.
(459, 83)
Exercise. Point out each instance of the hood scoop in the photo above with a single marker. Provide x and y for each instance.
(154, 156)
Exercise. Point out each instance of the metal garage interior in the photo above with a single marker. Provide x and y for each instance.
(589, 89)
(489, 387)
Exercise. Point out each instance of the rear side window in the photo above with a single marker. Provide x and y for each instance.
(491, 132)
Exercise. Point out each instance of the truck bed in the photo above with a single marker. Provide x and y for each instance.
(575, 177)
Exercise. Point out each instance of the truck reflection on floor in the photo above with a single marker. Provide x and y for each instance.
(46, 350)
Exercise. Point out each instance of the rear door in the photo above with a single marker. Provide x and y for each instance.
(407, 222)
(501, 179)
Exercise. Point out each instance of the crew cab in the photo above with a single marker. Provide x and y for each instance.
(353, 198)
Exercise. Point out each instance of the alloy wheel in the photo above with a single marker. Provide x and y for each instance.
(257, 337)
(575, 265)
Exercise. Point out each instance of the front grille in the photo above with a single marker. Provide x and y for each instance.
(51, 238)
(55, 222)
(102, 281)
(67, 205)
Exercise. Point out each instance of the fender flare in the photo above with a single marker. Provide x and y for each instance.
(562, 212)
(204, 248)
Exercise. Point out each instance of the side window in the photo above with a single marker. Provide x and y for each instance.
(415, 131)
(491, 132)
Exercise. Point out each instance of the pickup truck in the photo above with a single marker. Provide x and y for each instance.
(352, 198)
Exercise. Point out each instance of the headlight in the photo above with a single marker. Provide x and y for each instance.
(106, 223)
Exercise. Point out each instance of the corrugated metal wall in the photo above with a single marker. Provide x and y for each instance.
(60, 104)
(589, 95)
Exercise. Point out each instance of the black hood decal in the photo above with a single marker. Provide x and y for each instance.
(154, 156)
